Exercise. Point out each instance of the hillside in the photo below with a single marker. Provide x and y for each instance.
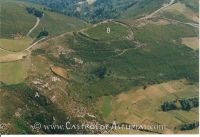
(142, 8)
(20, 30)
(104, 69)
(98, 10)
(11, 25)
(90, 11)
(102, 9)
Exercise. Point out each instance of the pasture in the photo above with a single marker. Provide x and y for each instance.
(15, 44)
(108, 31)
(140, 105)
(14, 72)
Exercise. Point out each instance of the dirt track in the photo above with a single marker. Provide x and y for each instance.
(35, 26)
(155, 12)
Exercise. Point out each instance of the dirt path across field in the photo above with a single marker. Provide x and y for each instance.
(34, 27)
(155, 12)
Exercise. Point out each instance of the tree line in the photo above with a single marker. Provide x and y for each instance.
(34, 11)
(184, 104)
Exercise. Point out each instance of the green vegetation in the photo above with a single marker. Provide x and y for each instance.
(117, 31)
(43, 34)
(56, 24)
(184, 104)
(160, 58)
(107, 105)
(166, 106)
(4, 52)
(139, 105)
(103, 9)
(35, 12)
(13, 72)
(12, 26)
(38, 52)
(20, 99)
(100, 72)
(15, 44)
(97, 11)
(188, 126)
(192, 4)
(178, 16)
(141, 8)
(153, 34)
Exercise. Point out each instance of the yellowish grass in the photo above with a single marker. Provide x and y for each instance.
(160, 22)
(179, 8)
(13, 56)
(13, 72)
(192, 42)
(4, 52)
(142, 106)
(15, 44)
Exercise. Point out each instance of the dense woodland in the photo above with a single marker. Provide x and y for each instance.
(99, 10)
(34, 11)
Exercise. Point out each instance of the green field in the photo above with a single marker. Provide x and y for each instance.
(157, 34)
(117, 31)
(131, 107)
(57, 23)
(192, 4)
(14, 19)
(15, 45)
(13, 72)
(4, 52)
(107, 106)
(141, 8)
(54, 23)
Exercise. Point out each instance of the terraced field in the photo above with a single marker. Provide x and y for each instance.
(131, 107)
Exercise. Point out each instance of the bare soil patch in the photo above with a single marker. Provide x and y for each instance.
(60, 71)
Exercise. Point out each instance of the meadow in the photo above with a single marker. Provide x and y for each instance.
(14, 72)
(52, 22)
(131, 106)
(15, 44)
(15, 24)
(100, 32)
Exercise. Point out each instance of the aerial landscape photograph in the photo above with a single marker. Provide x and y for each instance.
(111, 67)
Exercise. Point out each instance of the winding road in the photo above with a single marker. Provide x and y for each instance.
(29, 47)
(14, 56)
(163, 7)
(155, 12)
(34, 27)
(21, 56)
(186, 23)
